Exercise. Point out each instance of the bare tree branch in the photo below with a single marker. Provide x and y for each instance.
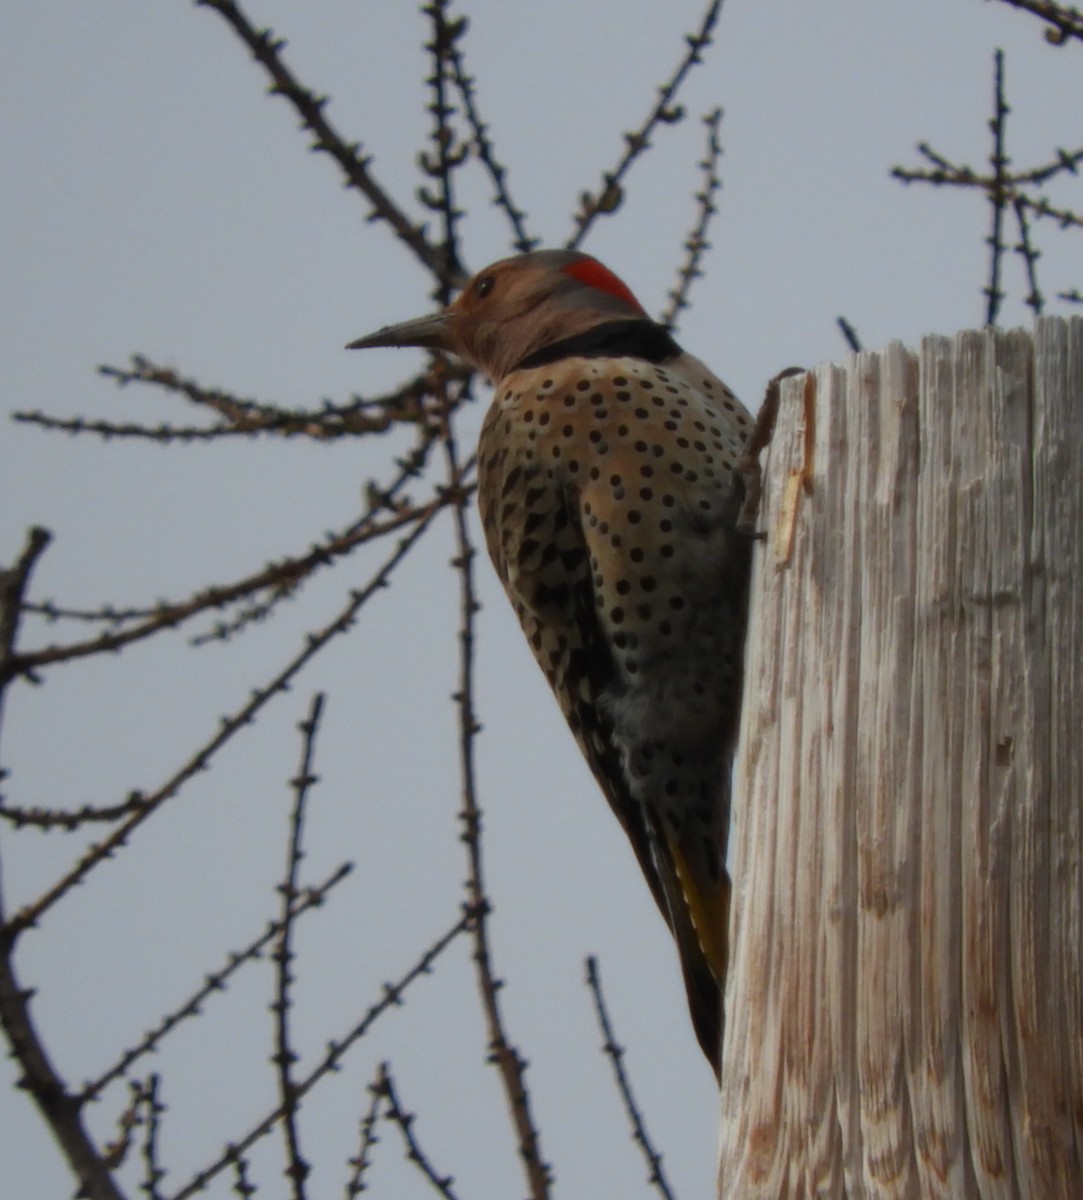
(213, 984)
(486, 152)
(1004, 187)
(696, 244)
(610, 193)
(153, 1172)
(849, 334)
(297, 1169)
(230, 725)
(266, 49)
(13, 584)
(448, 155)
(998, 196)
(279, 579)
(1065, 22)
(336, 1051)
(503, 1053)
(237, 417)
(355, 1184)
(398, 1116)
(615, 1052)
(59, 1108)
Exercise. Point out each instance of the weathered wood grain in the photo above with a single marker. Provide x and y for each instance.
(905, 1005)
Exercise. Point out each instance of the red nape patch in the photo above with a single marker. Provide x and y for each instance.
(591, 272)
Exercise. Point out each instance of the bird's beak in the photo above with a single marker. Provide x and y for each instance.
(431, 333)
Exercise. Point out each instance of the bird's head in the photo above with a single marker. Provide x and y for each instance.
(517, 307)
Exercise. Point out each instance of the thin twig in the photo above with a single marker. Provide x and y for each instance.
(213, 983)
(314, 642)
(332, 1059)
(502, 1052)
(242, 1185)
(696, 244)
(610, 193)
(998, 196)
(486, 153)
(309, 106)
(404, 1121)
(275, 581)
(1002, 187)
(297, 1169)
(237, 417)
(946, 172)
(279, 579)
(849, 334)
(1029, 253)
(61, 1111)
(615, 1053)
(448, 156)
(361, 1161)
(1066, 22)
(154, 1172)
(13, 584)
(1040, 207)
(115, 1153)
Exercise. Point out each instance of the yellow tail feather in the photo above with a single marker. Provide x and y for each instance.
(709, 910)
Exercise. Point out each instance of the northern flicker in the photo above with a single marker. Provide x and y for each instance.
(609, 496)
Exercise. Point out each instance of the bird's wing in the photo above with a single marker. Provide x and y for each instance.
(535, 538)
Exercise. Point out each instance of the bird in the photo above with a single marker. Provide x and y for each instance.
(609, 494)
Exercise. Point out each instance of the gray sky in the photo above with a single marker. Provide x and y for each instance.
(154, 200)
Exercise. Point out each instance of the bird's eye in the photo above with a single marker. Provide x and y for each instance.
(484, 286)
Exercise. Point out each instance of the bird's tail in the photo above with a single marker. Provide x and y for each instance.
(699, 913)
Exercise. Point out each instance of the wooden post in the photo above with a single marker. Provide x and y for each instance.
(905, 1002)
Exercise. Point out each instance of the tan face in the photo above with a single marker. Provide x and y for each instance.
(502, 310)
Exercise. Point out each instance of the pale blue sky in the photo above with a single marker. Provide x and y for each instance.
(154, 200)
